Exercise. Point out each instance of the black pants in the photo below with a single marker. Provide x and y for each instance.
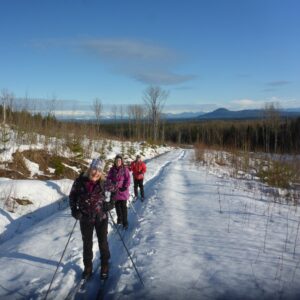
(87, 229)
(139, 183)
(121, 210)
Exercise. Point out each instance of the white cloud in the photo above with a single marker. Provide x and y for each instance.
(259, 104)
(179, 108)
(244, 103)
(74, 113)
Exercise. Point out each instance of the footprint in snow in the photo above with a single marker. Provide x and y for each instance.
(151, 252)
(34, 280)
(149, 238)
(126, 270)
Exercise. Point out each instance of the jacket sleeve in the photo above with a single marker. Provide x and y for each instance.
(110, 186)
(103, 186)
(131, 167)
(126, 182)
(73, 199)
(109, 175)
(144, 168)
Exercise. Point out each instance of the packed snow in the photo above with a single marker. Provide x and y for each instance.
(199, 234)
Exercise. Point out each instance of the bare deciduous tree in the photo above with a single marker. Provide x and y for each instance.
(114, 112)
(98, 110)
(6, 99)
(121, 112)
(272, 120)
(130, 115)
(138, 114)
(135, 114)
(155, 98)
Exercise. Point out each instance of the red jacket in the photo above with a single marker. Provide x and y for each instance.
(138, 169)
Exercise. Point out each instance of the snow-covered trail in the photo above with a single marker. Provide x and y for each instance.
(28, 260)
(196, 236)
(202, 237)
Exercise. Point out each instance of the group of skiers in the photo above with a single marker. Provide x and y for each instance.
(89, 205)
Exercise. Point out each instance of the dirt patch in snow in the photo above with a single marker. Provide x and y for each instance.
(11, 174)
(63, 167)
(18, 164)
(22, 201)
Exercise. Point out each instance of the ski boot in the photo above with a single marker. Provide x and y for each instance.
(104, 271)
(87, 272)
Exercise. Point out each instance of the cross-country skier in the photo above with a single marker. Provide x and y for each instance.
(138, 168)
(119, 176)
(87, 198)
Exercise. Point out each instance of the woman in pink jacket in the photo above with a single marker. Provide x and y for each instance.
(119, 176)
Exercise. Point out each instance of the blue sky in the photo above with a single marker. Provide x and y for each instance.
(234, 53)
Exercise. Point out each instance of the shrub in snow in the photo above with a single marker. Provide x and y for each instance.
(57, 164)
(76, 147)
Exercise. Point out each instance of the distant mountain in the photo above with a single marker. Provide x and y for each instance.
(218, 114)
(223, 113)
(183, 115)
(297, 109)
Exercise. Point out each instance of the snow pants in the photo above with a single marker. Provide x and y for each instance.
(121, 210)
(87, 229)
(138, 183)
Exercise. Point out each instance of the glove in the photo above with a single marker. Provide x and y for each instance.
(140, 172)
(110, 186)
(76, 214)
(122, 189)
(107, 206)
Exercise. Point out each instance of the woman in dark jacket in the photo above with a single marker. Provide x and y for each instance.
(119, 177)
(87, 199)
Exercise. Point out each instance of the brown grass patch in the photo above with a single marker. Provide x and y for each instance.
(17, 168)
(18, 164)
(12, 174)
(23, 201)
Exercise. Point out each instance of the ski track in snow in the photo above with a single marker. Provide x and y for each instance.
(187, 247)
(196, 236)
(30, 258)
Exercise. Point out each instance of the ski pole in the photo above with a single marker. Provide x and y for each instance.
(60, 260)
(134, 210)
(128, 253)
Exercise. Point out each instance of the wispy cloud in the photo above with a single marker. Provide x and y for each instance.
(273, 86)
(269, 89)
(125, 49)
(278, 83)
(145, 62)
(162, 77)
(190, 108)
(259, 104)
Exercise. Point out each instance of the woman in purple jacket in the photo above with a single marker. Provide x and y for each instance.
(119, 176)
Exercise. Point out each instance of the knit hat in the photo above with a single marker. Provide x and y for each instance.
(97, 164)
(119, 156)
